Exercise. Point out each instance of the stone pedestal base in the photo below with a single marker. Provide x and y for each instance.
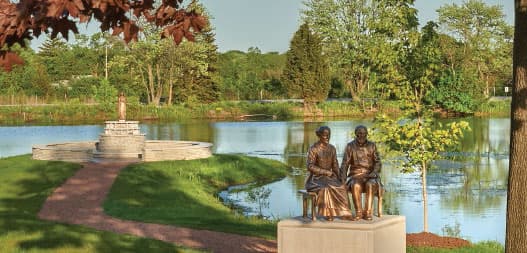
(121, 139)
(382, 235)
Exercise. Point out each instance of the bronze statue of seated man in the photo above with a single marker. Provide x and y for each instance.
(362, 164)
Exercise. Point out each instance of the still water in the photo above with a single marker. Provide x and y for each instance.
(466, 193)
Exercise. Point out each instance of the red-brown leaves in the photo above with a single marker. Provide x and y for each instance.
(75, 7)
(198, 23)
(63, 27)
(187, 25)
(9, 59)
(30, 18)
(129, 30)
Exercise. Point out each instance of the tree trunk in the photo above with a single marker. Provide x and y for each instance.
(170, 86)
(516, 234)
(159, 85)
(423, 167)
(354, 95)
(145, 83)
(425, 197)
(151, 83)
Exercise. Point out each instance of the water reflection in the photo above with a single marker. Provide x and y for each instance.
(468, 188)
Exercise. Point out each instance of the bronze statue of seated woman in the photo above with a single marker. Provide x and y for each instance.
(324, 178)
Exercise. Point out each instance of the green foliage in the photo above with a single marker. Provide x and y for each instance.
(208, 85)
(411, 135)
(84, 87)
(280, 110)
(496, 108)
(452, 94)
(338, 90)
(189, 72)
(416, 141)
(422, 65)
(251, 75)
(58, 59)
(373, 49)
(306, 73)
(364, 41)
(24, 186)
(29, 79)
(484, 45)
(452, 231)
(260, 196)
(340, 109)
(184, 193)
(105, 94)
(179, 73)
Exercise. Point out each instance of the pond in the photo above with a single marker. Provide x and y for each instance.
(467, 194)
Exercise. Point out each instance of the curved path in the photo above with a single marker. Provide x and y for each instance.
(79, 201)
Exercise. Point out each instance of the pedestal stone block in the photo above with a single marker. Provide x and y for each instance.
(120, 139)
(381, 235)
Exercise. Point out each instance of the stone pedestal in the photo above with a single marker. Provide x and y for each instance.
(120, 139)
(382, 235)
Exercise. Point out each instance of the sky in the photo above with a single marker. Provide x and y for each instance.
(270, 24)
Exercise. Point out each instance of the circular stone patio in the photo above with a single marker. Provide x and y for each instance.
(153, 150)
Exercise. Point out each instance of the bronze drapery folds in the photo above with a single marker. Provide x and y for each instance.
(362, 164)
(325, 179)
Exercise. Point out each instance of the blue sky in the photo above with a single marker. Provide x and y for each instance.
(270, 24)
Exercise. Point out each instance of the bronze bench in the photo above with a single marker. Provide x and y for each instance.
(313, 197)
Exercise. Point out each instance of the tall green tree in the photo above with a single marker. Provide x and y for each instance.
(516, 239)
(58, 59)
(364, 40)
(306, 72)
(451, 90)
(30, 79)
(253, 81)
(187, 64)
(208, 85)
(412, 134)
(251, 74)
(230, 69)
(274, 63)
(165, 70)
(144, 59)
(485, 41)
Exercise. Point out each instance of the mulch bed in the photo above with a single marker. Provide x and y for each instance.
(425, 239)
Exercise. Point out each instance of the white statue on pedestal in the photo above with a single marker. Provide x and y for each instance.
(121, 106)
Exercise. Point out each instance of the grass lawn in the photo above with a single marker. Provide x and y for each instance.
(184, 193)
(176, 192)
(24, 186)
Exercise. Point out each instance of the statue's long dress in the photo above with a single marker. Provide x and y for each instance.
(332, 196)
(121, 108)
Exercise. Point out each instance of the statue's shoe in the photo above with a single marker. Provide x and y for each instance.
(358, 216)
(368, 215)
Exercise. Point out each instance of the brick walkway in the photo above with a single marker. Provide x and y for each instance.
(79, 201)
